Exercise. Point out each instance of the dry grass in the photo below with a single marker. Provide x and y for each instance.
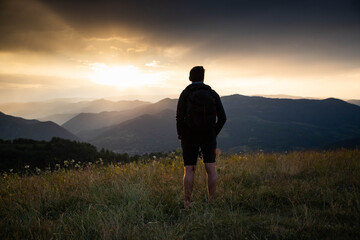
(298, 195)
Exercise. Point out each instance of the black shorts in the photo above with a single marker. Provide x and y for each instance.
(191, 146)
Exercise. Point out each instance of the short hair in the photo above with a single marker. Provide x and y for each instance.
(197, 74)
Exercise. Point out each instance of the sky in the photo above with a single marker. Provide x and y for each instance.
(142, 49)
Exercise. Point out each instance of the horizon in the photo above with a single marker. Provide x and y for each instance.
(54, 49)
(157, 99)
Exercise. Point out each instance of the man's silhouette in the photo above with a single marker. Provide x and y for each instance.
(200, 117)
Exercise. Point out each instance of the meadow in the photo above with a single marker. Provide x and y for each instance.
(294, 195)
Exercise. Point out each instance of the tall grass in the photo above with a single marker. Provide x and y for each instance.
(298, 195)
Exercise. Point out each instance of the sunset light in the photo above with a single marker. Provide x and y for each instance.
(133, 52)
(108, 107)
(122, 76)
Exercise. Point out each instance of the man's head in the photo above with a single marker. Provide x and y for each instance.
(197, 74)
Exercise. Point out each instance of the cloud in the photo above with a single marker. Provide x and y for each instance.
(189, 20)
(28, 25)
(153, 63)
(16, 88)
(226, 26)
(243, 39)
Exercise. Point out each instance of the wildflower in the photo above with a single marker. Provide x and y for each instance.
(77, 165)
(66, 163)
(38, 170)
(89, 163)
(11, 170)
(72, 161)
(27, 166)
(57, 165)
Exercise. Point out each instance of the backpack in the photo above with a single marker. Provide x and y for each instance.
(201, 110)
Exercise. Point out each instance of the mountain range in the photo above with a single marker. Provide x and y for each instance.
(144, 134)
(253, 123)
(270, 124)
(16, 127)
(61, 110)
(286, 124)
(85, 122)
(354, 101)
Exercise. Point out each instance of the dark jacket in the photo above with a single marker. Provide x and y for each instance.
(182, 128)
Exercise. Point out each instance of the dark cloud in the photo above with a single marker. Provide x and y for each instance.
(320, 25)
(202, 16)
(330, 28)
(30, 26)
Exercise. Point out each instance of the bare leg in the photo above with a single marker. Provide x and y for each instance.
(211, 179)
(188, 184)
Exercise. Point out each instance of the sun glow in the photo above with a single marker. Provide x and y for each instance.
(123, 76)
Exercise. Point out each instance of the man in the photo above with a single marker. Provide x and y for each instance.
(200, 117)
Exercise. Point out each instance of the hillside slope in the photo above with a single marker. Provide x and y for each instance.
(144, 134)
(16, 127)
(91, 121)
(253, 123)
(285, 124)
(46, 110)
(354, 101)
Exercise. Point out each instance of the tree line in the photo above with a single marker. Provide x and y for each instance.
(20, 154)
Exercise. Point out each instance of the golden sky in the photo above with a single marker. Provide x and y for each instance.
(145, 49)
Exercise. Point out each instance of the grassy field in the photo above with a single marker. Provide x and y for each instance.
(297, 195)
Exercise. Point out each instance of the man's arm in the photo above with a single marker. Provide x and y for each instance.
(221, 116)
(180, 115)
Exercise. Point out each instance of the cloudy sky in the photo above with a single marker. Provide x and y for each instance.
(142, 49)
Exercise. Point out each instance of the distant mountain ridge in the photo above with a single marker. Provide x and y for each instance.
(61, 110)
(144, 134)
(270, 124)
(58, 118)
(354, 101)
(287, 124)
(91, 121)
(253, 123)
(330, 111)
(16, 127)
